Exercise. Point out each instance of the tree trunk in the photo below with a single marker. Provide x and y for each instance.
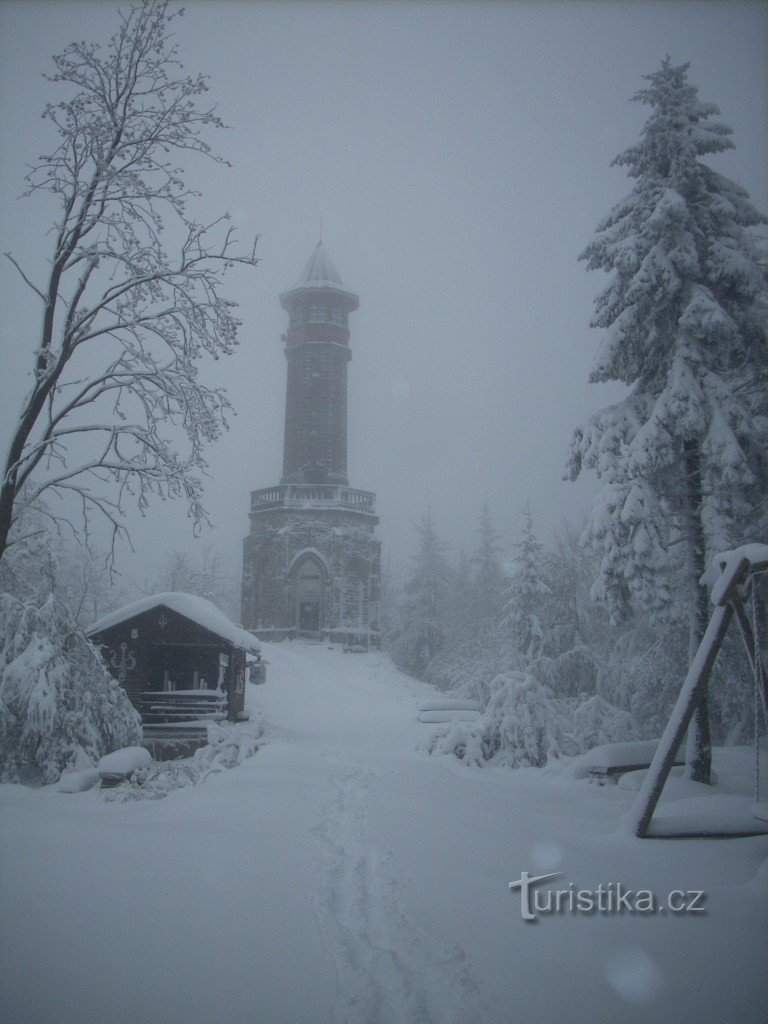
(699, 745)
(7, 495)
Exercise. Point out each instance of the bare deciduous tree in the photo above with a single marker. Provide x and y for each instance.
(124, 319)
(205, 571)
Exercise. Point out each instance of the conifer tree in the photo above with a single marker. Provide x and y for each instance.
(683, 456)
(527, 593)
(59, 706)
(489, 576)
(425, 607)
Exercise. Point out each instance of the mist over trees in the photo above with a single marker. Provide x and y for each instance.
(619, 610)
(117, 414)
(547, 626)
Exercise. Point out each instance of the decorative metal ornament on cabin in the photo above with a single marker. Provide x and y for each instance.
(181, 661)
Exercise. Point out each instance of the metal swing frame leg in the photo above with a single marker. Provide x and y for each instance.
(694, 688)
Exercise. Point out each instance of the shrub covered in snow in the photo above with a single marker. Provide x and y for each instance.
(595, 722)
(59, 706)
(229, 744)
(154, 781)
(523, 725)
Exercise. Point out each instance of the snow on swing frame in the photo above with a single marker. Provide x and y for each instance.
(739, 570)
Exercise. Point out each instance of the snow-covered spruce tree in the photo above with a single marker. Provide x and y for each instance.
(424, 610)
(488, 583)
(477, 649)
(460, 609)
(526, 595)
(131, 297)
(59, 706)
(683, 457)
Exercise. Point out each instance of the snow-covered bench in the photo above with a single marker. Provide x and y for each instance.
(606, 763)
(449, 710)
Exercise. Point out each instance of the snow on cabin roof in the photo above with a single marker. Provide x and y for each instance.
(192, 607)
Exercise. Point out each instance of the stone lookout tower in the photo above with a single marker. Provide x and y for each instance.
(311, 560)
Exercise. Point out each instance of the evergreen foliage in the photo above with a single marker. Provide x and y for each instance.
(526, 595)
(60, 708)
(524, 726)
(684, 453)
(488, 582)
(423, 620)
(683, 456)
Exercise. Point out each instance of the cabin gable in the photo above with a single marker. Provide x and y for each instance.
(160, 651)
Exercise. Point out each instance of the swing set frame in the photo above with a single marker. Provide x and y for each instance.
(737, 569)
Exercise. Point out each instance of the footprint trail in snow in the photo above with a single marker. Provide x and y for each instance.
(388, 971)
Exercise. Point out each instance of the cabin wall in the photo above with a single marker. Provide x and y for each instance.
(139, 651)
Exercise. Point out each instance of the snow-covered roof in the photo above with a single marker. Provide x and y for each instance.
(203, 612)
(319, 271)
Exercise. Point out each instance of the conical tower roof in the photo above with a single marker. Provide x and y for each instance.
(320, 272)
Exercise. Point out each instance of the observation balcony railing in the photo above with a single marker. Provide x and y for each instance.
(313, 496)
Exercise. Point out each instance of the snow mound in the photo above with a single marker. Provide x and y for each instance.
(450, 704)
(123, 762)
(613, 755)
(632, 781)
(433, 717)
(79, 782)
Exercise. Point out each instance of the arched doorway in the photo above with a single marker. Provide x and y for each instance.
(309, 578)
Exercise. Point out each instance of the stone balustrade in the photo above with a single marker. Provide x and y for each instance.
(307, 495)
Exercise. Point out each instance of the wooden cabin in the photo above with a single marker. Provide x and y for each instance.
(182, 662)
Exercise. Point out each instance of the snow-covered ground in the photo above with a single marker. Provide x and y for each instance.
(342, 875)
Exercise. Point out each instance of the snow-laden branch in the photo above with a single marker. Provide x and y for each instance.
(145, 314)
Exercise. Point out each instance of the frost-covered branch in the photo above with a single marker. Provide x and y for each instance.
(146, 315)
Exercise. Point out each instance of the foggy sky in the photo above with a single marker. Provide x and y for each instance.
(458, 156)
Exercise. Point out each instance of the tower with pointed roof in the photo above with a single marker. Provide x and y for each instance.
(311, 559)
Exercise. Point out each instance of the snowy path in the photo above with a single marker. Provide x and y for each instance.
(387, 971)
(341, 876)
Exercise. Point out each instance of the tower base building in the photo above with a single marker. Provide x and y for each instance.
(311, 561)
